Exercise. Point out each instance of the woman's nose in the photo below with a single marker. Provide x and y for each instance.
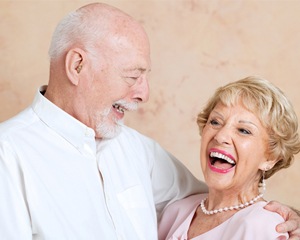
(223, 136)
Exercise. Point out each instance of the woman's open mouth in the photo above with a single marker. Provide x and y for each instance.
(219, 162)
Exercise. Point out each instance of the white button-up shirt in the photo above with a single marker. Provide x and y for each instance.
(58, 182)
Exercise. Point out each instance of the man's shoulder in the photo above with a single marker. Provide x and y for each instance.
(16, 123)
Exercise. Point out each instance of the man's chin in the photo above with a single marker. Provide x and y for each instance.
(108, 132)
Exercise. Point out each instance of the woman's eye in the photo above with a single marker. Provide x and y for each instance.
(214, 122)
(244, 131)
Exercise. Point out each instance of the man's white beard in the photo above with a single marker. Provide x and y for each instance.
(109, 130)
(106, 128)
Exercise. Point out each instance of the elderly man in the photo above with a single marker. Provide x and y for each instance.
(69, 168)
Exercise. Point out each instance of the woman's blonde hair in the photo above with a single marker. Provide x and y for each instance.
(271, 106)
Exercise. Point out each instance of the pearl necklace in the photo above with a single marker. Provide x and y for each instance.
(235, 207)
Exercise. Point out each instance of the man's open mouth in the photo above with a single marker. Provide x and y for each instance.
(119, 108)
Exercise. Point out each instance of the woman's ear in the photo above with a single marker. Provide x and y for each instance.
(74, 63)
(267, 165)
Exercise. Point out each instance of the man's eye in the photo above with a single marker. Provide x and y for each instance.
(131, 80)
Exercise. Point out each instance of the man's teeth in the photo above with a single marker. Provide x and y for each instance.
(222, 156)
(119, 108)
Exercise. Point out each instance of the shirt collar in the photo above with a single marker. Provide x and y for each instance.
(61, 122)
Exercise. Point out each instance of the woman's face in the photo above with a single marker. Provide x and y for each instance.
(234, 147)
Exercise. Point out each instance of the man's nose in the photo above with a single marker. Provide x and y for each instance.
(141, 90)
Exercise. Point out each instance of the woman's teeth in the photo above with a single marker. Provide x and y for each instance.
(222, 156)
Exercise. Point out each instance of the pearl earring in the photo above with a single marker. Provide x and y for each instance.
(263, 183)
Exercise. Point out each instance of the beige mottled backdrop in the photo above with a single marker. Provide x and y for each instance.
(197, 45)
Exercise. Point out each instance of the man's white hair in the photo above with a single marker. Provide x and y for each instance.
(79, 28)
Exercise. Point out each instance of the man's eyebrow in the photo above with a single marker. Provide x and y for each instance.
(140, 69)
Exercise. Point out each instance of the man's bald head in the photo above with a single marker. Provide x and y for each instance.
(89, 26)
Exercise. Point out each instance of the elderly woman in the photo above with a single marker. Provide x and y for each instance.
(249, 132)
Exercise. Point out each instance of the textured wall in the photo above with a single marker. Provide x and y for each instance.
(196, 47)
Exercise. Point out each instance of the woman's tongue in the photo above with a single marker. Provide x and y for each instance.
(221, 164)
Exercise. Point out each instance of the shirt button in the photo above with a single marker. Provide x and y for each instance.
(89, 132)
(108, 198)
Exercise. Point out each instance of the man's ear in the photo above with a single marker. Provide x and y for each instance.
(74, 63)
